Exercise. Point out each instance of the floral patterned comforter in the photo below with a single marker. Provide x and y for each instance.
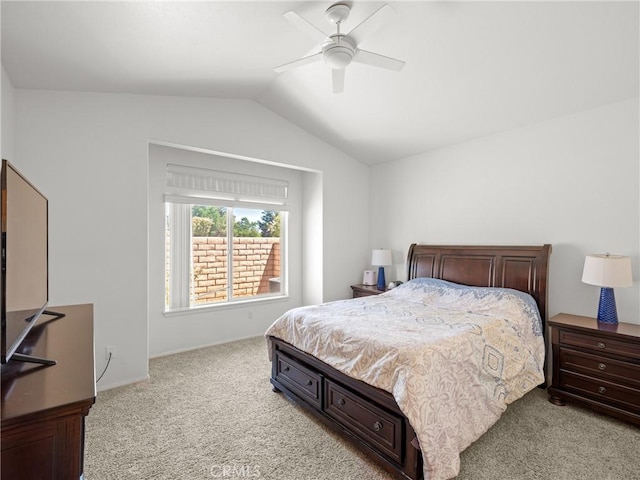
(452, 356)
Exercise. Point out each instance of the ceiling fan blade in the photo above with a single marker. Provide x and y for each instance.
(337, 75)
(377, 60)
(316, 57)
(306, 26)
(372, 23)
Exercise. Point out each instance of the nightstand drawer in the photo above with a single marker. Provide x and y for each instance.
(624, 373)
(600, 344)
(601, 389)
(365, 290)
(359, 293)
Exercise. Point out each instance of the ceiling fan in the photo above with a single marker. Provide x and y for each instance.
(338, 50)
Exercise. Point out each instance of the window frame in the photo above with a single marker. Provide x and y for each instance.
(179, 278)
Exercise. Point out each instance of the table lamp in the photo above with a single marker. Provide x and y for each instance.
(380, 258)
(607, 271)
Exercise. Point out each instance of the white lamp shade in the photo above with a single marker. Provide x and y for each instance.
(606, 270)
(381, 257)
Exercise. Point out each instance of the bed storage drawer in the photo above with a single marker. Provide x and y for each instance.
(373, 425)
(304, 382)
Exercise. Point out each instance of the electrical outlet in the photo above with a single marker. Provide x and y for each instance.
(250, 314)
(110, 352)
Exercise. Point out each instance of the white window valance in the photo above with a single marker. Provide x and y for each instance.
(216, 184)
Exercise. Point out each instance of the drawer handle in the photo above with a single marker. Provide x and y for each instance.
(340, 401)
(602, 389)
(377, 426)
(602, 366)
(309, 383)
(285, 369)
(602, 345)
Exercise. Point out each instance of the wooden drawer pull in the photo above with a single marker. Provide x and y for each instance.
(285, 369)
(377, 426)
(309, 383)
(602, 366)
(602, 389)
(340, 401)
(602, 345)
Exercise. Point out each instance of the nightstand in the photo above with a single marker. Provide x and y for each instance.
(596, 365)
(365, 290)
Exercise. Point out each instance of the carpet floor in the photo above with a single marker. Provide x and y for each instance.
(210, 413)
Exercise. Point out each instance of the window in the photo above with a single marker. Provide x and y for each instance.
(223, 245)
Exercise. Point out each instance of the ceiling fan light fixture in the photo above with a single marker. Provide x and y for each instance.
(339, 52)
(338, 56)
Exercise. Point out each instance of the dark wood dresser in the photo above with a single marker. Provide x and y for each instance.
(596, 365)
(44, 407)
(365, 290)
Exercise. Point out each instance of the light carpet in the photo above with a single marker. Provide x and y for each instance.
(210, 413)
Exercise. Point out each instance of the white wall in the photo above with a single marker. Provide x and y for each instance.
(89, 154)
(7, 122)
(312, 239)
(572, 182)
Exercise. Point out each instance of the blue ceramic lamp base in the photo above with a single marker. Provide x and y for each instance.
(382, 284)
(607, 307)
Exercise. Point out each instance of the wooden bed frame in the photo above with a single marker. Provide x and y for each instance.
(370, 417)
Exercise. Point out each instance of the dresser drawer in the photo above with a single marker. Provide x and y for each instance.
(600, 389)
(600, 344)
(373, 425)
(616, 371)
(298, 378)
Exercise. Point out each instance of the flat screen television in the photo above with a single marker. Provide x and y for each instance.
(24, 290)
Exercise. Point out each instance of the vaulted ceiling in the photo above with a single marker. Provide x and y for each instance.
(472, 68)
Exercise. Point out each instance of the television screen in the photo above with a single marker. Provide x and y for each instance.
(24, 252)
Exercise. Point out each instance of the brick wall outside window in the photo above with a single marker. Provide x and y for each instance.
(256, 267)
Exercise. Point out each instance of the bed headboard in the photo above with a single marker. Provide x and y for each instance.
(522, 268)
